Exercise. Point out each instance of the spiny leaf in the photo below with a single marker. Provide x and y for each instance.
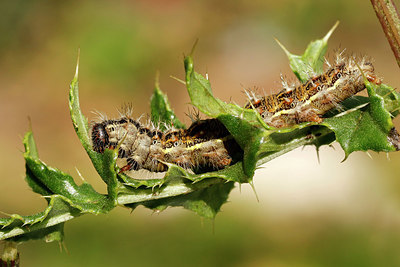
(178, 181)
(38, 226)
(161, 112)
(243, 124)
(367, 128)
(103, 163)
(205, 201)
(312, 61)
(55, 182)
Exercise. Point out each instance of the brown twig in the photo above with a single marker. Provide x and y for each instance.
(389, 18)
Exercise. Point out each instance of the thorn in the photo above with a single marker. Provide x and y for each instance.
(6, 214)
(29, 124)
(157, 80)
(194, 47)
(154, 212)
(64, 245)
(254, 190)
(325, 39)
(177, 79)
(80, 175)
(396, 109)
(317, 149)
(77, 64)
(284, 48)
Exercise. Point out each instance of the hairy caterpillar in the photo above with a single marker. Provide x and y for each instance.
(208, 144)
(309, 101)
(205, 144)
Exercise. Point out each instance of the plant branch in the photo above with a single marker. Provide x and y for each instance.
(390, 20)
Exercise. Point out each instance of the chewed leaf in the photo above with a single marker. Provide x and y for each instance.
(312, 61)
(161, 111)
(368, 128)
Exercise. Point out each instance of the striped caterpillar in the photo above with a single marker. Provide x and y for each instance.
(308, 102)
(207, 144)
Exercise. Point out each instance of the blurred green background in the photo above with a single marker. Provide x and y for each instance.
(309, 213)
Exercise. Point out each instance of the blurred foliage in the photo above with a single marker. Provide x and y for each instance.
(244, 239)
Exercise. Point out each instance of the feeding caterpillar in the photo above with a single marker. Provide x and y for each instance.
(205, 144)
(312, 99)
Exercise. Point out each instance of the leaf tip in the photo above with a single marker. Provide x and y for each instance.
(328, 35)
(29, 124)
(177, 79)
(194, 47)
(251, 183)
(157, 81)
(77, 65)
(283, 47)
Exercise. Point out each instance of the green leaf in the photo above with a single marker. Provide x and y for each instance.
(367, 128)
(312, 61)
(40, 225)
(79, 121)
(178, 181)
(55, 182)
(245, 125)
(161, 112)
(206, 201)
(104, 163)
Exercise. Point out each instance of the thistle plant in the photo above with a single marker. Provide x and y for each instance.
(365, 124)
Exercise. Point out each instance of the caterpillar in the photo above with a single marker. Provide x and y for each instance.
(309, 101)
(207, 144)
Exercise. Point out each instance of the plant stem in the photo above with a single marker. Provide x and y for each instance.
(390, 20)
